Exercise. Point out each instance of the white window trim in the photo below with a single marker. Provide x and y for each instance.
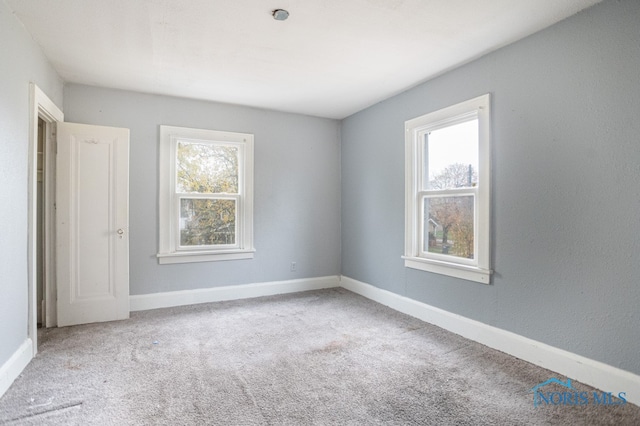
(170, 250)
(479, 269)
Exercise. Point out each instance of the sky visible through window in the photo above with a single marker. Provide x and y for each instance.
(451, 145)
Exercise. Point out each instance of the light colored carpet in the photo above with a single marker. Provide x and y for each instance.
(314, 358)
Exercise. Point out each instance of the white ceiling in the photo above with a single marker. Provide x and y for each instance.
(331, 58)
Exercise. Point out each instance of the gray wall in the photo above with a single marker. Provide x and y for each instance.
(21, 62)
(297, 187)
(566, 187)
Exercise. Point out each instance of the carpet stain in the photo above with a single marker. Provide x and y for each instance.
(335, 346)
(70, 366)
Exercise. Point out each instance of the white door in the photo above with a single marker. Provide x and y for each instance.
(92, 223)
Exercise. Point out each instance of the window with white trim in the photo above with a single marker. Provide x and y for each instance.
(447, 201)
(206, 195)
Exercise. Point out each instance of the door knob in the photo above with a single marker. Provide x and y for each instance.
(120, 232)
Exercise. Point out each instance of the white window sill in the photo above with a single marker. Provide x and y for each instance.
(471, 273)
(203, 256)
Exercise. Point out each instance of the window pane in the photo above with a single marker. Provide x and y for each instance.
(448, 227)
(207, 222)
(207, 168)
(451, 157)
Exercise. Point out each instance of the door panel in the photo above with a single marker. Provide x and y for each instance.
(92, 223)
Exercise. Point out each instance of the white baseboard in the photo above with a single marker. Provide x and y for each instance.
(593, 373)
(11, 369)
(217, 294)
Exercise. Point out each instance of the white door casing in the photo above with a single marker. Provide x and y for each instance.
(92, 223)
(41, 107)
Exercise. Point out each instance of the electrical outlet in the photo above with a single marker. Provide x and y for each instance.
(293, 266)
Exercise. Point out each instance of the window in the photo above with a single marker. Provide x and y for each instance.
(448, 191)
(206, 195)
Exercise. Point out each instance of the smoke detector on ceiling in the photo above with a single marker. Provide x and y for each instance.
(280, 14)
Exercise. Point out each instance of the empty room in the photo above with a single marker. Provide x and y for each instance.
(319, 212)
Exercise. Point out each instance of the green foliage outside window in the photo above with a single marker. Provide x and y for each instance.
(207, 179)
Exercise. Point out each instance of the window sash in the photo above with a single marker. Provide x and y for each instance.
(177, 196)
(420, 214)
(174, 155)
(423, 136)
(192, 196)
